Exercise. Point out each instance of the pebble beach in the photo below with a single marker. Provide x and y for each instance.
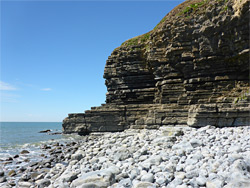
(171, 157)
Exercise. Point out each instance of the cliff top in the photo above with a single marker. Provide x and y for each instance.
(186, 12)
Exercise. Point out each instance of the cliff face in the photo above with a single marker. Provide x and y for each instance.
(191, 69)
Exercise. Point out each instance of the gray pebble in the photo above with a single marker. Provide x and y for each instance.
(149, 177)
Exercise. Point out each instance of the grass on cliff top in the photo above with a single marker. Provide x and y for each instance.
(195, 6)
(188, 8)
(192, 7)
(163, 20)
(137, 40)
(185, 9)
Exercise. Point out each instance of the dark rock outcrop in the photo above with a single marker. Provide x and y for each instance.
(191, 69)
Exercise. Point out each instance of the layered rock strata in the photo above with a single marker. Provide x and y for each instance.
(191, 69)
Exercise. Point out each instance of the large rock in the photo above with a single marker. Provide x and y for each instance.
(1, 173)
(144, 185)
(240, 175)
(100, 178)
(43, 183)
(24, 184)
(191, 69)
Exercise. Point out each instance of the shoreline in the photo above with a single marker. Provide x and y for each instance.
(20, 157)
(178, 157)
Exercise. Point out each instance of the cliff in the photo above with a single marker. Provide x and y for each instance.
(191, 69)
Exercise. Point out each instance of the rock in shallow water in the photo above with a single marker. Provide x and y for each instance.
(45, 131)
(15, 156)
(24, 152)
(1, 173)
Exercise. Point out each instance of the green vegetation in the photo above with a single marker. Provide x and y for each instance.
(193, 7)
(137, 40)
(162, 20)
(145, 37)
(224, 10)
(225, 6)
(147, 48)
(131, 42)
(222, 1)
(186, 11)
(243, 97)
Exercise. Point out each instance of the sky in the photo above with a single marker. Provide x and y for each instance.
(53, 53)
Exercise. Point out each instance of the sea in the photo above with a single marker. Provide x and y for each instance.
(17, 136)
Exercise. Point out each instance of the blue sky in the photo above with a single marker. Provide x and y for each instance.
(53, 53)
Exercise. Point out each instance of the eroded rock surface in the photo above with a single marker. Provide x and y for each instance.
(191, 69)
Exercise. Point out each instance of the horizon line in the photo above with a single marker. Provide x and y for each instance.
(31, 121)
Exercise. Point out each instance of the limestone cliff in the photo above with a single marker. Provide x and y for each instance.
(191, 69)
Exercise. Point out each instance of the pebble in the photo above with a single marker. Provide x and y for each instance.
(24, 184)
(12, 173)
(201, 181)
(15, 156)
(3, 179)
(77, 157)
(12, 182)
(1, 173)
(43, 183)
(25, 177)
(182, 186)
(145, 185)
(125, 183)
(205, 157)
(149, 177)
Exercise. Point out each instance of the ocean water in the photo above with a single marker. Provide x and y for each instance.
(16, 134)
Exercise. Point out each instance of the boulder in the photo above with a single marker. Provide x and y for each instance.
(24, 152)
(101, 178)
(144, 185)
(43, 183)
(45, 131)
